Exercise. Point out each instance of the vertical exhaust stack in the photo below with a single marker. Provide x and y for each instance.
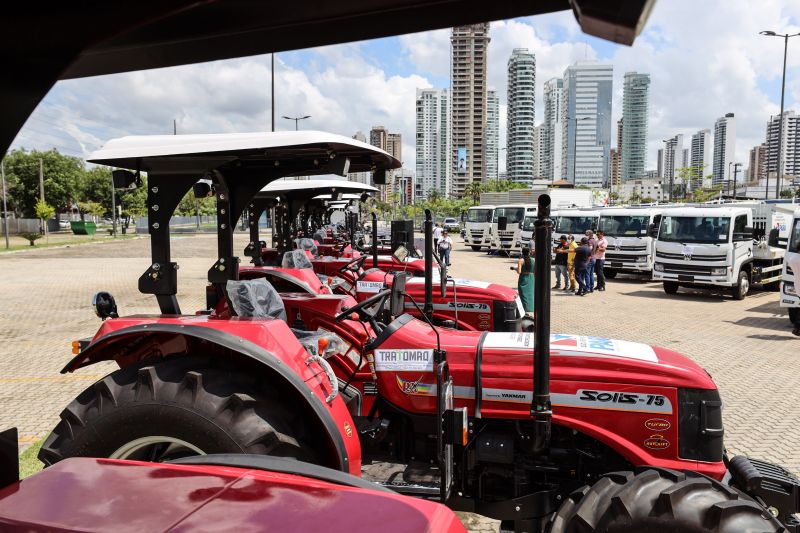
(541, 409)
(428, 308)
(374, 239)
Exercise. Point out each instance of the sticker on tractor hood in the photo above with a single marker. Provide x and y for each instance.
(369, 286)
(573, 345)
(460, 282)
(462, 307)
(404, 359)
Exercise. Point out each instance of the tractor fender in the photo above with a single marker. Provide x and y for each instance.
(174, 339)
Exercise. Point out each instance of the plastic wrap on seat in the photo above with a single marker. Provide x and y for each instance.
(296, 259)
(308, 245)
(255, 298)
(320, 235)
(331, 343)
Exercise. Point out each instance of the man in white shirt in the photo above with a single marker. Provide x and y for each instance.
(794, 264)
(437, 234)
(445, 245)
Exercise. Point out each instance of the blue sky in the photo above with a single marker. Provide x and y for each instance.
(705, 59)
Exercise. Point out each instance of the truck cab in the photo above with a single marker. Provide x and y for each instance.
(631, 247)
(575, 222)
(479, 226)
(714, 247)
(506, 226)
(526, 233)
(790, 295)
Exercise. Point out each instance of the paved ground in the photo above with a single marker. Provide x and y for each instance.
(747, 346)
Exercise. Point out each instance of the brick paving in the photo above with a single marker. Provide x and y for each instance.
(745, 345)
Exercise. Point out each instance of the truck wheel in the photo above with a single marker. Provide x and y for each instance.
(742, 286)
(475, 248)
(609, 273)
(176, 408)
(660, 501)
(671, 287)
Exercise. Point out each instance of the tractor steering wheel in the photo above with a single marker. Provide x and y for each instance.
(362, 310)
(355, 265)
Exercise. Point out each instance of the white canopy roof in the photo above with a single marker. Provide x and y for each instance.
(298, 152)
(319, 188)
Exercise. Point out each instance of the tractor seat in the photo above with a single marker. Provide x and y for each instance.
(296, 259)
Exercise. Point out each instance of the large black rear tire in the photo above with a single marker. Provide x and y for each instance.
(173, 408)
(660, 501)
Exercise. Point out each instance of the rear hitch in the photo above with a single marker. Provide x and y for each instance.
(771, 485)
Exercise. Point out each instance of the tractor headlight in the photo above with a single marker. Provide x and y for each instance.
(721, 271)
(788, 288)
(658, 267)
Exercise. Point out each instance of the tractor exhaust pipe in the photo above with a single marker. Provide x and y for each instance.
(541, 409)
(428, 307)
(374, 240)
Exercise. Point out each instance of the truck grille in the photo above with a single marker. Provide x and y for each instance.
(687, 268)
(636, 248)
(695, 257)
(622, 257)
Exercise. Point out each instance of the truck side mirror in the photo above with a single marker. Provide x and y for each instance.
(502, 223)
(397, 303)
(652, 230)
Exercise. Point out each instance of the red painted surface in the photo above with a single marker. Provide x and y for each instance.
(82, 494)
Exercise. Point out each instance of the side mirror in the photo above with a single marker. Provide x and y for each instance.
(398, 300)
(652, 230)
(125, 179)
(502, 223)
(400, 253)
(104, 305)
(379, 177)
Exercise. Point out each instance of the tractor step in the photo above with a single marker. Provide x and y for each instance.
(417, 478)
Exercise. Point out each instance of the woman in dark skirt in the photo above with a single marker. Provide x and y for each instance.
(525, 283)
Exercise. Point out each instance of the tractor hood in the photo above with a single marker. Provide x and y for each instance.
(83, 494)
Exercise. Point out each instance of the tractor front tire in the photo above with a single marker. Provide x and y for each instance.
(175, 408)
(660, 501)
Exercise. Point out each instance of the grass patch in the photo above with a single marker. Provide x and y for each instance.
(29, 464)
(17, 242)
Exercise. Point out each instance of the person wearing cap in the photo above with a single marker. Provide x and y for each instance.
(560, 262)
(445, 245)
(582, 255)
(592, 243)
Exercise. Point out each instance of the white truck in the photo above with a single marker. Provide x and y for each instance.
(631, 244)
(790, 286)
(574, 222)
(716, 247)
(507, 225)
(479, 226)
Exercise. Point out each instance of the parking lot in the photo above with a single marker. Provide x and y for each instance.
(747, 346)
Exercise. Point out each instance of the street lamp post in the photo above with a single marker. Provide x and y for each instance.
(785, 36)
(296, 120)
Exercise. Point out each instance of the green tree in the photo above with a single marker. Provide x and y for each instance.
(62, 179)
(44, 212)
(790, 193)
(93, 208)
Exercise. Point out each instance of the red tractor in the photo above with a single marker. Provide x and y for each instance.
(219, 492)
(363, 272)
(556, 433)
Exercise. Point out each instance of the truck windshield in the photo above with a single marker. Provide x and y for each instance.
(527, 224)
(574, 224)
(624, 225)
(514, 215)
(794, 238)
(479, 215)
(694, 229)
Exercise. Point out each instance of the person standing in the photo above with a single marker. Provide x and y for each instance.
(445, 245)
(592, 243)
(562, 251)
(573, 283)
(582, 256)
(600, 259)
(437, 234)
(525, 282)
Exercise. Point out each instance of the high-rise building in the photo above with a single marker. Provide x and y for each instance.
(616, 158)
(492, 134)
(635, 112)
(539, 151)
(587, 115)
(757, 170)
(672, 157)
(620, 130)
(360, 177)
(380, 137)
(521, 114)
(553, 129)
(469, 46)
(790, 140)
(433, 168)
(724, 149)
(700, 159)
